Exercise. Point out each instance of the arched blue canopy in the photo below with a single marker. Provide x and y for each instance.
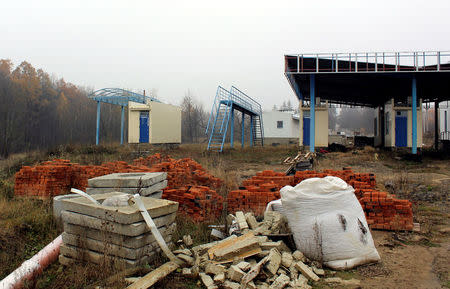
(117, 96)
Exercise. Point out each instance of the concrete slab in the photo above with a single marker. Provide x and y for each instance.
(127, 180)
(117, 239)
(144, 191)
(110, 249)
(77, 254)
(123, 215)
(134, 229)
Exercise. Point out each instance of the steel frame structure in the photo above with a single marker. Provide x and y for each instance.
(331, 74)
(223, 112)
(120, 97)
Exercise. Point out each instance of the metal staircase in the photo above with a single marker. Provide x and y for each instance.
(222, 112)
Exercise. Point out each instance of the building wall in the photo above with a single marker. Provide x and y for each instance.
(321, 125)
(165, 123)
(290, 127)
(377, 139)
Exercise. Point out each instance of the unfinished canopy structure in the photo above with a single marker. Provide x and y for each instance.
(395, 83)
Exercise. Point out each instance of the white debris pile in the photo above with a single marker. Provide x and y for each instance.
(254, 259)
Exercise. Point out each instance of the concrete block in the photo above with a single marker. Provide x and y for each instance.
(183, 251)
(286, 259)
(274, 261)
(207, 281)
(235, 274)
(214, 269)
(251, 221)
(318, 271)
(231, 285)
(187, 240)
(298, 256)
(133, 242)
(134, 229)
(306, 271)
(244, 266)
(279, 245)
(245, 245)
(123, 215)
(127, 180)
(240, 217)
(280, 282)
(219, 278)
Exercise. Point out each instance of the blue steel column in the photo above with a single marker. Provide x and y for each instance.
(414, 115)
(243, 132)
(121, 125)
(98, 122)
(251, 130)
(312, 113)
(232, 128)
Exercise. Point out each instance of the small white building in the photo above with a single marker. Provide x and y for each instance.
(154, 123)
(280, 127)
(397, 125)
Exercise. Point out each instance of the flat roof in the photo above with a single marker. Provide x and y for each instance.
(370, 79)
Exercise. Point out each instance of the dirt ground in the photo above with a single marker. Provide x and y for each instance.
(408, 259)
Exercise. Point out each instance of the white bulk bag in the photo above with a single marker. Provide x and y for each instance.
(328, 222)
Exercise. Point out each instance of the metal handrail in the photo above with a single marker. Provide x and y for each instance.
(381, 61)
(445, 135)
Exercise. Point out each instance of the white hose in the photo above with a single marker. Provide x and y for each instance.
(80, 192)
(138, 201)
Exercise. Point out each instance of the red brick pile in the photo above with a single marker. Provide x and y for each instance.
(383, 211)
(200, 203)
(58, 176)
(259, 190)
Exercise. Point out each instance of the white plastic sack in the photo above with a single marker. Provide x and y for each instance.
(275, 206)
(328, 222)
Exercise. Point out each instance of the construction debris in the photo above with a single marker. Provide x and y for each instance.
(241, 262)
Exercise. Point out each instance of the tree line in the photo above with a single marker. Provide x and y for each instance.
(39, 112)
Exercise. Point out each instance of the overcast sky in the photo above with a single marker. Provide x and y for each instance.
(175, 46)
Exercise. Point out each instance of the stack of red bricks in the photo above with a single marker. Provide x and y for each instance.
(200, 203)
(50, 178)
(259, 190)
(383, 211)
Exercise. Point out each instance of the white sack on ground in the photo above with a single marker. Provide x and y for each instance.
(328, 222)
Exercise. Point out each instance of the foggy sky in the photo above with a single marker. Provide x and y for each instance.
(175, 46)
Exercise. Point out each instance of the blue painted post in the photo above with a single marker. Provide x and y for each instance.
(312, 113)
(251, 130)
(232, 128)
(121, 125)
(98, 122)
(414, 115)
(242, 132)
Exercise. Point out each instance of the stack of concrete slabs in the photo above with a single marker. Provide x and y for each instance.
(146, 184)
(98, 233)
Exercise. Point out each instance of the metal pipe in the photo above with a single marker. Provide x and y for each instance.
(33, 266)
(232, 128)
(121, 124)
(414, 115)
(251, 130)
(98, 123)
(312, 86)
(243, 130)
